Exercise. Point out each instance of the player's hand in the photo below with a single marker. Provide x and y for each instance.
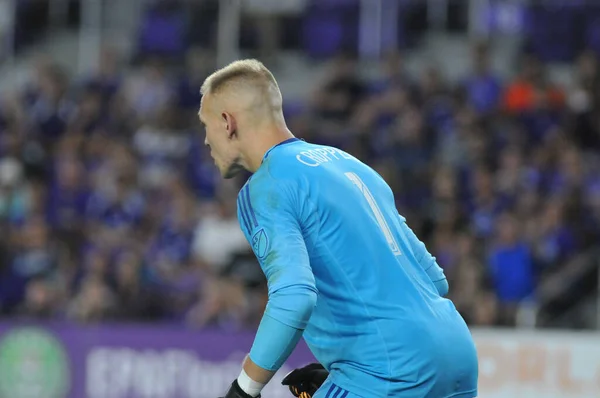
(304, 382)
(235, 391)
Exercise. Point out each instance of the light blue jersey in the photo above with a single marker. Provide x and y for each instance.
(346, 273)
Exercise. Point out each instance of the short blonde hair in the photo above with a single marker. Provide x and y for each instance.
(245, 71)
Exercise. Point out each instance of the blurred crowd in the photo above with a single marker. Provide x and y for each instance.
(111, 208)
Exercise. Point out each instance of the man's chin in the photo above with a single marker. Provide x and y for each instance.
(232, 172)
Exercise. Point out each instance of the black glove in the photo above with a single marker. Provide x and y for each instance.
(235, 391)
(304, 382)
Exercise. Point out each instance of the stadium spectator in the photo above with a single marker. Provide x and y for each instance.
(531, 89)
(341, 90)
(135, 300)
(93, 303)
(218, 237)
(511, 266)
(584, 102)
(150, 90)
(482, 86)
(40, 301)
(107, 78)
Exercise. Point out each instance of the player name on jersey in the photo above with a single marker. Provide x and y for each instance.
(316, 157)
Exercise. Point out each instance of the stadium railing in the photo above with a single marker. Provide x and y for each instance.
(567, 298)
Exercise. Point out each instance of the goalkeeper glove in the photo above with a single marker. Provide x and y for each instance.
(304, 382)
(235, 391)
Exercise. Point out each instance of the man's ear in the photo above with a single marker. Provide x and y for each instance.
(230, 124)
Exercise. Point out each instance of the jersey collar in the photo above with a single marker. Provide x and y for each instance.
(289, 140)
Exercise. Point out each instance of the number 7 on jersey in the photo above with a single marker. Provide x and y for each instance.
(383, 225)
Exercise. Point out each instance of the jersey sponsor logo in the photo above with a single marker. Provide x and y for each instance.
(318, 156)
(260, 243)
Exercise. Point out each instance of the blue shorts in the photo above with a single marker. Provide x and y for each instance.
(330, 390)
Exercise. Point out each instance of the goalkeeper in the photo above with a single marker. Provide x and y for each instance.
(344, 270)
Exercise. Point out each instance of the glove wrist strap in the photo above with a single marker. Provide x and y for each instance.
(249, 386)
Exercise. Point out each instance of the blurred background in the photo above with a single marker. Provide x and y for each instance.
(123, 271)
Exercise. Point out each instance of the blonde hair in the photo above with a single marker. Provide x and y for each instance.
(243, 74)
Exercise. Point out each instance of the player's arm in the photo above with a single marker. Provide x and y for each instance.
(268, 216)
(426, 260)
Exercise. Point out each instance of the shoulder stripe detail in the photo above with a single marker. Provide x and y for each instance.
(244, 214)
(246, 197)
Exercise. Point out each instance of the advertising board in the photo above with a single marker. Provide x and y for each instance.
(109, 361)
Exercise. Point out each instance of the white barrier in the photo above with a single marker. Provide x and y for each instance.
(538, 364)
